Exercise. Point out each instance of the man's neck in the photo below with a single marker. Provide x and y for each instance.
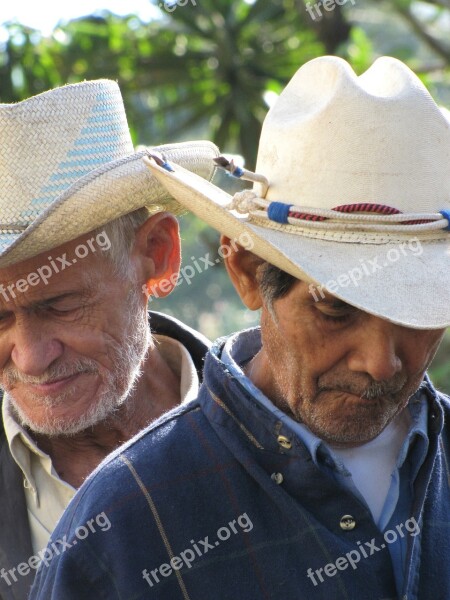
(75, 457)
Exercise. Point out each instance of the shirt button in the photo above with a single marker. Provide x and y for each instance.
(277, 477)
(28, 486)
(284, 442)
(347, 523)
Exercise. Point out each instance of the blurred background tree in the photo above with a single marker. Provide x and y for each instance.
(211, 69)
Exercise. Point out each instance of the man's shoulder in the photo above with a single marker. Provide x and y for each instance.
(439, 408)
(173, 327)
(444, 398)
(195, 342)
(159, 452)
(144, 480)
(444, 401)
(435, 394)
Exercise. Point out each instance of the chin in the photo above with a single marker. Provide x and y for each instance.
(359, 435)
(52, 423)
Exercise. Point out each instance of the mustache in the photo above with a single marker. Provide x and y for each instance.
(369, 390)
(11, 376)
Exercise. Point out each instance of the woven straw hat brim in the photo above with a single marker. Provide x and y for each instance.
(103, 195)
(412, 291)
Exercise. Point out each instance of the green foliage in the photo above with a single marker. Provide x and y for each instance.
(204, 296)
(440, 371)
(360, 50)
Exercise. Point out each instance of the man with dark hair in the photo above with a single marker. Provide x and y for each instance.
(314, 463)
(85, 227)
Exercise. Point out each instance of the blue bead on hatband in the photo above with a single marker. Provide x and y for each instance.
(278, 211)
(446, 215)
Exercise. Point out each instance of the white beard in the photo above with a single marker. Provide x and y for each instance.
(127, 358)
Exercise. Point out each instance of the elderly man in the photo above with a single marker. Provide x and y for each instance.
(84, 228)
(314, 463)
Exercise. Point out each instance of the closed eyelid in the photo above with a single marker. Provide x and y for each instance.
(337, 310)
(53, 303)
(336, 305)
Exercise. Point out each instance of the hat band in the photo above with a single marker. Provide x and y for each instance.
(12, 227)
(377, 219)
(382, 220)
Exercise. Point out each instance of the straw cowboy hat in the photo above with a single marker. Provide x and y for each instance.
(67, 166)
(351, 192)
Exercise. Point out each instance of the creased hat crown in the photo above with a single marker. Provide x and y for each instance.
(334, 138)
(351, 192)
(51, 140)
(67, 167)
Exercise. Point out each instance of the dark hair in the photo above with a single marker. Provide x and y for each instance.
(273, 282)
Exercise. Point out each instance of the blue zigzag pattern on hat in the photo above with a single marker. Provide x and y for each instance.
(97, 144)
(5, 240)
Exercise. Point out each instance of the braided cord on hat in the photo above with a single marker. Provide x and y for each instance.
(358, 216)
(361, 216)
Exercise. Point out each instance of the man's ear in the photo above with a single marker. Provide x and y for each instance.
(157, 252)
(241, 266)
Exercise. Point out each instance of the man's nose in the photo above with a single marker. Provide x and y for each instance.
(375, 350)
(34, 346)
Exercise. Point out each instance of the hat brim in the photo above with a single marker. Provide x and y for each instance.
(407, 284)
(105, 194)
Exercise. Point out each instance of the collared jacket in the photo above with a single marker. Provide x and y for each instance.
(15, 537)
(218, 500)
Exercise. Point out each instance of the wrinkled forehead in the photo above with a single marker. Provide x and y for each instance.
(74, 267)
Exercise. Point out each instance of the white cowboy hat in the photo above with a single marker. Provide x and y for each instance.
(353, 191)
(67, 166)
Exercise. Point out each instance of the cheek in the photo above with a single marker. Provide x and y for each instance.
(5, 353)
(289, 364)
(306, 354)
(420, 351)
(94, 344)
(100, 329)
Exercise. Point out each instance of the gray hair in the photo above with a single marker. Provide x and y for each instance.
(121, 233)
(273, 283)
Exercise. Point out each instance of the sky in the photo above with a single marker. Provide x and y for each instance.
(45, 14)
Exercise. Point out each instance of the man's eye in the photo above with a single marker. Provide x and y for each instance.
(336, 313)
(63, 308)
(337, 318)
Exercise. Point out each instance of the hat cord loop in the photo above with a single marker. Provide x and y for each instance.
(344, 217)
(347, 216)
